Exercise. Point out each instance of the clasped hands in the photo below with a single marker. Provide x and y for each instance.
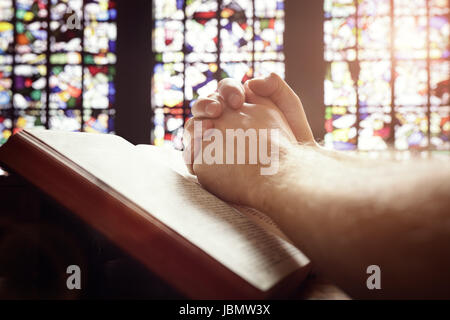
(261, 103)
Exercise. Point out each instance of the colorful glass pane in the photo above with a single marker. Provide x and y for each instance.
(5, 87)
(31, 37)
(28, 10)
(241, 71)
(168, 85)
(411, 127)
(339, 8)
(411, 37)
(440, 127)
(98, 121)
(340, 39)
(29, 119)
(413, 66)
(340, 125)
(99, 90)
(440, 83)
(269, 8)
(168, 36)
(269, 34)
(200, 80)
(375, 83)
(411, 83)
(235, 36)
(374, 128)
(6, 10)
(237, 10)
(410, 7)
(5, 127)
(67, 10)
(51, 36)
(201, 9)
(63, 39)
(29, 86)
(339, 84)
(100, 37)
(6, 37)
(196, 43)
(100, 10)
(201, 37)
(65, 120)
(374, 37)
(264, 68)
(168, 9)
(439, 37)
(439, 7)
(374, 7)
(65, 87)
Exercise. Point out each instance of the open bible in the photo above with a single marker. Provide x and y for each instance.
(144, 200)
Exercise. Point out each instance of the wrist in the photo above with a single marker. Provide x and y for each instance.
(268, 185)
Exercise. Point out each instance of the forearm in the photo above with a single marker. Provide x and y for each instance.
(346, 218)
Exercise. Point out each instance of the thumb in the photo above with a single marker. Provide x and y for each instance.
(276, 89)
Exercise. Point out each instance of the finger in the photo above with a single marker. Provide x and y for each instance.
(289, 103)
(192, 139)
(251, 97)
(207, 108)
(188, 143)
(232, 91)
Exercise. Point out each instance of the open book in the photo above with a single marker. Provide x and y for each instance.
(143, 199)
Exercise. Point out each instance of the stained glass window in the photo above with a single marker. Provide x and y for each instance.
(387, 77)
(57, 65)
(196, 43)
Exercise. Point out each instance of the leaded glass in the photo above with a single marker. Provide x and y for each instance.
(411, 37)
(5, 127)
(5, 87)
(340, 39)
(168, 85)
(269, 34)
(238, 70)
(45, 81)
(440, 83)
(65, 120)
(29, 86)
(29, 119)
(375, 128)
(65, 87)
(98, 87)
(340, 85)
(411, 83)
(440, 127)
(196, 43)
(394, 61)
(98, 121)
(374, 83)
(340, 125)
(439, 37)
(411, 127)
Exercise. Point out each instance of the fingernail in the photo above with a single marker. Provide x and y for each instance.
(234, 99)
(211, 109)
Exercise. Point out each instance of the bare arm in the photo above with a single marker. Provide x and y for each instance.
(347, 217)
(345, 212)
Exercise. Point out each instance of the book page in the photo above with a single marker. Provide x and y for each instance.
(174, 160)
(258, 256)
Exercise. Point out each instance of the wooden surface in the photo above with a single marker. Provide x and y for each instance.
(112, 273)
